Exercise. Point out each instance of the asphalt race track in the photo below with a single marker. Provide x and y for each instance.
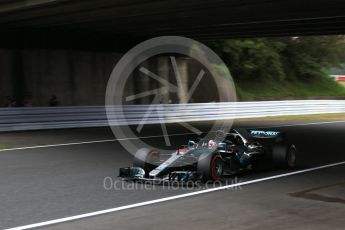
(41, 184)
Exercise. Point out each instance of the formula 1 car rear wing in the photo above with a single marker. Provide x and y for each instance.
(262, 134)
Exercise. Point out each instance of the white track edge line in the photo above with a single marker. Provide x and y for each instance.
(178, 134)
(97, 213)
(91, 142)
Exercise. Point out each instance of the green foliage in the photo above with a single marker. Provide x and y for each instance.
(267, 59)
(252, 58)
(306, 58)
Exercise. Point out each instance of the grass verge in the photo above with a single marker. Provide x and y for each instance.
(3, 146)
(326, 117)
(342, 83)
(321, 88)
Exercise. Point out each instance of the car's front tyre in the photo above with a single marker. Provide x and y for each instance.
(211, 166)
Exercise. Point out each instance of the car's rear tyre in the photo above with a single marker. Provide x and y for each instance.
(211, 167)
(146, 159)
(284, 156)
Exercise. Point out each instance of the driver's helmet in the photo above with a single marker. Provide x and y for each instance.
(212, 144)
(191, 144)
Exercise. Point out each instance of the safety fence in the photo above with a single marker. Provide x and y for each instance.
(35, 118)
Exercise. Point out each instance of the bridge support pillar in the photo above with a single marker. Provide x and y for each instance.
(182, 79)
(163, 71)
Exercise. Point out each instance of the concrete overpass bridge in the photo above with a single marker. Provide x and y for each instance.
(67, 47)
(201, 19)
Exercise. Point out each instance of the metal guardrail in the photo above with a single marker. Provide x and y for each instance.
(35, 118)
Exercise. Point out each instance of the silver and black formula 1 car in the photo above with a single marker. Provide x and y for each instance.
(211, 159)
